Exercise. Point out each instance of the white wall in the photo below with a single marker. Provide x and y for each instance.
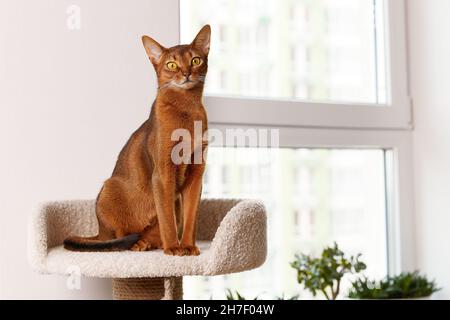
(429, 34)
(68, 102)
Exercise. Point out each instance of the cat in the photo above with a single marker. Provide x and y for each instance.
(150, 202)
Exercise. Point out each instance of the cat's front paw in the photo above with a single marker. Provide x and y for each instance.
(175, 251)
(191, 250)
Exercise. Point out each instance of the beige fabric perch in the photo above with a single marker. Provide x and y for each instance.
(231, 236)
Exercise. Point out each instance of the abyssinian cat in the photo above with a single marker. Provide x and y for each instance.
(149, 198)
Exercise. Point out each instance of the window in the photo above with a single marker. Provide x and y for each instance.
(306, 58)
(332, 47)
(313, 197)
(332, 77)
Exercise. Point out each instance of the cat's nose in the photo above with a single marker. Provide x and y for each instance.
(187, 74)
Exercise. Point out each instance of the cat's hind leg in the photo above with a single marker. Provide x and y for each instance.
(150, 238)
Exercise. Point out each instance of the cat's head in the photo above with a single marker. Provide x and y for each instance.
(182, 67)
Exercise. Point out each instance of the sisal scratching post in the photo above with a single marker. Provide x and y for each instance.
(170, 288)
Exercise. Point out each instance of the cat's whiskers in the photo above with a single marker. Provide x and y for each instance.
(165, 85)
(183, 85)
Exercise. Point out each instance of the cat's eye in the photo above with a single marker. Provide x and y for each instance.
(172, 65)
(196, 61)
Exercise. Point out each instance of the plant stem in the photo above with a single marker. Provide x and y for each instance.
(338, 288)
(325, 294)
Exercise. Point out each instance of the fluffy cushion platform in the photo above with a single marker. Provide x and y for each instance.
(231, 237)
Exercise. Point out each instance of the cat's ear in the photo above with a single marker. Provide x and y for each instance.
(154, 49)
(202, 39)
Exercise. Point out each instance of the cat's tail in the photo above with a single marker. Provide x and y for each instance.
(93, 244)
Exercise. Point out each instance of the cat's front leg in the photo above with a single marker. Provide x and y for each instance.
(163, 182)
(191, 198)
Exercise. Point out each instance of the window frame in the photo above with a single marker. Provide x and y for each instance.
(306, 124)
(396, 114)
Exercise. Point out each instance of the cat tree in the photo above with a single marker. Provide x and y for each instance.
(231, 236)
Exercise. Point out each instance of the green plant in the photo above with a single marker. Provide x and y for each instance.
(403, 286)
(236, 295)
(324, 274)
(283, 297)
